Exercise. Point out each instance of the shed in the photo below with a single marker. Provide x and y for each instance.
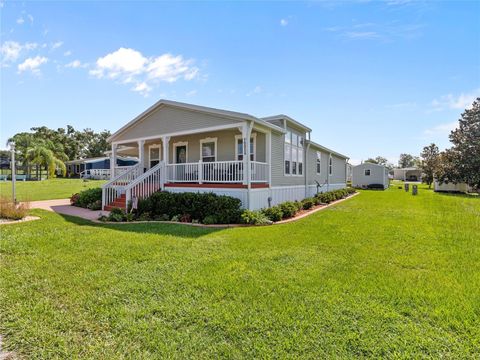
(368, 175)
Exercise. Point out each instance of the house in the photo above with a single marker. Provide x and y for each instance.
(450, 187)
(408, 174)
(349, 172)
(96, 168)
(189, 148)
(367, 174)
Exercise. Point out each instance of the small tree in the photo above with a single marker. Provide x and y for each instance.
(430, 158)
(406, 160)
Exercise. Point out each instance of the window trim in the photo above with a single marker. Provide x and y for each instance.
(365, 172)
(330, 165)
(302, 148)
(318, 161)
(240, 137)
(177, 144)
(208, 140)
(152, 146)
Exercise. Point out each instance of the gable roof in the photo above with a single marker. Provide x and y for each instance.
(288, 118)
(219, 112)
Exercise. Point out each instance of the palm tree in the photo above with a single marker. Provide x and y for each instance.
(40, 154)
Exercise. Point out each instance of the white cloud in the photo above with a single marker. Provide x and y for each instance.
(67, 53)
(32, 64)
(30, 18)
(450, 101)
(362, 35)
(284, 22)
(129, 66)
(441, 129)
(57, 44)
(10, 51)
(20, 20)
(191, 93)
(75, 64)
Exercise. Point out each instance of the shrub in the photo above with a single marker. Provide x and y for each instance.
(97, 205)
(308, 203)
(209, 220)
(87, 197)
(375, 186)
(191, 207)
(289, 209)
(255, 218)
(12, 211)
(117, 215)
(273, 213)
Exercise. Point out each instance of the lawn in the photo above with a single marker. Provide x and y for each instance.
(47, 189)
(384, 274)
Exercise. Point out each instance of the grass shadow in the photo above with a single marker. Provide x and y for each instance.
(458, 194)
(145, 228)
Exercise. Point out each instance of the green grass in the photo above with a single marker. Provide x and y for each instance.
(47, 189)
(385, 274)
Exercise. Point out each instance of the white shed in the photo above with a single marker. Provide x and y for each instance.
(450, 187)
(367, 174)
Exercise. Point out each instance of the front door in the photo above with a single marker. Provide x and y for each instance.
(154, 155)
(181, 154)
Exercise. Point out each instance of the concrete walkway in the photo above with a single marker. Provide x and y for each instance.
(62, 206)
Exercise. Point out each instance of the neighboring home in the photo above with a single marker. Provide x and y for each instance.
(368, 175)
(407, 174)
(451, 187)
(96, 168)
(349, 172)
(190, 148)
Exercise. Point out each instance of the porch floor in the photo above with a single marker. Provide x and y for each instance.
(217, 185)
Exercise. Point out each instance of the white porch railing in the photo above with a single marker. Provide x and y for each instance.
(259, 172)
(95, 174)
(116, 187)
(119, 170)
(146, 184)
(216, 172)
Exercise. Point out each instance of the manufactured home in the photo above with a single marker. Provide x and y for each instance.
(189, 148)
(450, 187)
(369, 175)
(96, 168)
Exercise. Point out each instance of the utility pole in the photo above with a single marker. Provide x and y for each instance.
(14, 195)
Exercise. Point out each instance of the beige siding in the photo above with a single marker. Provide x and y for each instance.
(339, 171)
(312, 167)
(278, 176)
(377, 175)
(278, 122)
(166, 120)
(225, 145)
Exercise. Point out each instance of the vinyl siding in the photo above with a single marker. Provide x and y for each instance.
(377, 175)
(312, 167)
(167, 120)
(278, 176)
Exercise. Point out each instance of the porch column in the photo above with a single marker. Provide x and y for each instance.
(268, 156)
(165, 152)
(246, 134)
(113, 160)
(141, 155)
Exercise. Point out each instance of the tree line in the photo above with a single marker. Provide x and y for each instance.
(458, 164)
(45, 148)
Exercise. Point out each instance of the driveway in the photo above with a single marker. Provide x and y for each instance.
(62, 206)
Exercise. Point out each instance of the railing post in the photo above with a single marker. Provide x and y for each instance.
(200, 171)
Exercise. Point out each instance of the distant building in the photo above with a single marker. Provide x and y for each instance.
(450, 187)
(407, 174)
(368, 175)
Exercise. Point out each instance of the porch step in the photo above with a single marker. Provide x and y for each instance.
(120, 202)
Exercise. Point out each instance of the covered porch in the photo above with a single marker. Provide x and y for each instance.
(222, 157)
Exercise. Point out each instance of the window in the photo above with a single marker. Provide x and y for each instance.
(330, 166)
(153, 155)
(367, 172)
(208, 149)
(319, 162)
(239, 147)
(294, 153)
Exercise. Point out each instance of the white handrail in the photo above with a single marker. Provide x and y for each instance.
(146, 184)
(116, 187)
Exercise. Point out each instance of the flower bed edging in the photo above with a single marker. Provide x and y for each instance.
(25, 219)
(225, 226)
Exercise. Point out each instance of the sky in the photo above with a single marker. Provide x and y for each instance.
(370, 78)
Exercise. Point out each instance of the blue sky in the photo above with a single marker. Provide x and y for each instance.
(370, 78)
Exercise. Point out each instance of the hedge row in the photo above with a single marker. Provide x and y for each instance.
(89, 198)
(206, 208)
(289, 209)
